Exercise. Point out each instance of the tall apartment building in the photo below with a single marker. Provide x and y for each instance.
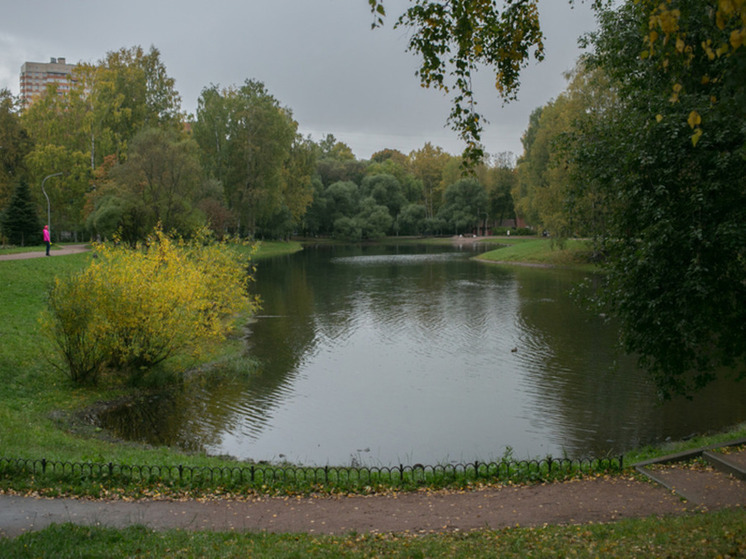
(36, 75)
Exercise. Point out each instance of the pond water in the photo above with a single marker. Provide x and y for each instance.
(419, 354)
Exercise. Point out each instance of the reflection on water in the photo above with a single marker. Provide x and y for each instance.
(418, 354)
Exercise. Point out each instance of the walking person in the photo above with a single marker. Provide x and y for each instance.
(47, 238)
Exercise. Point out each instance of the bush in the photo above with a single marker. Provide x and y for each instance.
(132, 309)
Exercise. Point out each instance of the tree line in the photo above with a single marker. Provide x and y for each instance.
(130, 158)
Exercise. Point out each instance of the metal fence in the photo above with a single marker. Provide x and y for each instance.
(263, 476)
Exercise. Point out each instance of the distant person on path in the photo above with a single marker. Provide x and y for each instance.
(47, 239)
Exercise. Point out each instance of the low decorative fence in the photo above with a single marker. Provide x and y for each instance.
(263, 477)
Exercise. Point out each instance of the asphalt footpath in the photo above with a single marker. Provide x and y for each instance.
(604, 499)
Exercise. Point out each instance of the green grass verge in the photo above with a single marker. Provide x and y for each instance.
(268, 249)
(718, 534)
(573, 253)
(735, 433)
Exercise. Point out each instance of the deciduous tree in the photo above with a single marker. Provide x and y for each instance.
(428, 165)
(160, 182)
(675, 237)
(465, 205)
(249, 142)
(67, 192)
(14, 145)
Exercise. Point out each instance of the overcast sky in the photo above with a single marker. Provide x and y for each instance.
(317, 57)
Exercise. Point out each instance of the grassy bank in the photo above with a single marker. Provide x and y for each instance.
(719, 534)
(268, 249)
(573, 253)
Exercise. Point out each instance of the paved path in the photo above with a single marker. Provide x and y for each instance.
(60, 251)
(593, 500)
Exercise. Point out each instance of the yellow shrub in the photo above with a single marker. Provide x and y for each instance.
(141, 306)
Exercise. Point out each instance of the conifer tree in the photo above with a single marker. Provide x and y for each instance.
(20, 222)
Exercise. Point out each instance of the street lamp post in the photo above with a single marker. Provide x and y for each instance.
(49, 211)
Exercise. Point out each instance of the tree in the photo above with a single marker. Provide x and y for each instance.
(455, 37)
(675, 240)
(411, 219)
(67, 192)
(529, 171)
(336, 162)
(705, 40)
(247, 140)
(132, 91)
(465, 205)
(339, 200)
(14, 145)
(58, 120)
(159, 183)
(373, 219)
(386, 190)
(20, 223)
(428, 164)
(209, 131)
(499, 178)
(298, 184)
(344, 199)
(549, 192)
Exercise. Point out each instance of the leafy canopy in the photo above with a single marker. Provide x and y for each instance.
(454, 38)
(674, 236)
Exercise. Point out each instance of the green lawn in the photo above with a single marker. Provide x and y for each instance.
(572, 253)
(718, 534)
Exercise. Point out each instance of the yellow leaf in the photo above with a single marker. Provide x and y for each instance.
(694, 119)
(708, 50)
(658, 117)
(695, 137)
(738, 38)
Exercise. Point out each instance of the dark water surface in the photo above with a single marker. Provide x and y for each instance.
(414, 354)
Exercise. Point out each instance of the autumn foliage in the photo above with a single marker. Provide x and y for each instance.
(135, 308)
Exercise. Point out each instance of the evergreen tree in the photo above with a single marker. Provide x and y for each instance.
(20, 223)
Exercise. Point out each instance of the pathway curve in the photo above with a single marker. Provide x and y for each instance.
(59, 251)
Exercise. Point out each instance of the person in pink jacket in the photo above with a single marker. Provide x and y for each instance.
(47, 238)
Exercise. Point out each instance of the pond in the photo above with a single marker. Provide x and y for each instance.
(381, 355)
